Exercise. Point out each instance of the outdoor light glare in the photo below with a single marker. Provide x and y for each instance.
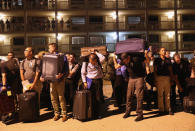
(170, 15)
(59, 37)
(170, 34)
(2, 17)
(114, 36)
(114, 15)
(59, 16)
(2, 38)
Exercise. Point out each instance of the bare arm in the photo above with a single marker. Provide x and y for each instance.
(35, 80)
(4, 79)
(22, 75)
(116, 65)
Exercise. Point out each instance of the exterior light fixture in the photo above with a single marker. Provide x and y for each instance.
(114, 35)
(170, 15)
(170, 34)
(2, 38)
(114, 15)
(59, 37)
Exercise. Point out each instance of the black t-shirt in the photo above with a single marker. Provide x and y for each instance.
(11, 75)
(136, 67)
(181, 69)
(162, 66)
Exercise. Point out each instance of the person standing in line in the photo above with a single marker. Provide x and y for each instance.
(137, 70)
(163, 74)
(92, 73)
(71, 81)
(181, 70)
(30, 72)
(120, 82)
(57, 88)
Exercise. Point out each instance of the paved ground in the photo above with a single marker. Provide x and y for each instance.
(113, 122)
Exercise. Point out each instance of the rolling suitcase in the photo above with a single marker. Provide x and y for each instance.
(52, 65)
(28, 106)
(85, 51)
(82, 107)
(6, 101)
(133, 45)
(7, 105)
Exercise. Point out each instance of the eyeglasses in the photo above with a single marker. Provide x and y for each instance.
(27, 50)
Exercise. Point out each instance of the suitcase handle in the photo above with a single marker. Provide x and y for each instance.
(81, 87)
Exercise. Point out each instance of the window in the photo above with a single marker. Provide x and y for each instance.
(134, 36)
(95, 19)
(134, 19)
(96, 40)
(188, 37)
(153, 18)
(77, 2)
(188, 17)
(78, 20)
(38, 41)
(78, 40)
(18, 41)
(154, 38)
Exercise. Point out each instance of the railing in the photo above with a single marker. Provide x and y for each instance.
(95, 4)
(187, 46)
(12, 27)
(139, 26)
(160, 4)
(11, 5)
(63, 5)
(186, 25)
(4, 49)
(161, 25)
(135, 4)
(41, 27)
(40, 5)
(166, 45)
(186, 4)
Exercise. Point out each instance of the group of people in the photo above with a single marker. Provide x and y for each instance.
(135, 74)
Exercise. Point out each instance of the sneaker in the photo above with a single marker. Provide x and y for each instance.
(139, 118)
(64, 118)
(56, 117)
(126, 115)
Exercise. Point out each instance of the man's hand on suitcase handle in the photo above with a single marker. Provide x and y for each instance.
(3, 88)
(85, 85)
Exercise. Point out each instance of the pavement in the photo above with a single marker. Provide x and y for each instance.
(112, 121)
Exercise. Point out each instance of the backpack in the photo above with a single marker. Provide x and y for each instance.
(13, 66)
(108, 70)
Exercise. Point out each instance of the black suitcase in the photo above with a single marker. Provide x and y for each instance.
(28, 106)
(82, 107)
(51, 66)
(7, 104)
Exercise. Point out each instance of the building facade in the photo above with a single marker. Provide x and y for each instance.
(73, 24)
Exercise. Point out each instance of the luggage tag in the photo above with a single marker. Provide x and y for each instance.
(9, 93)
